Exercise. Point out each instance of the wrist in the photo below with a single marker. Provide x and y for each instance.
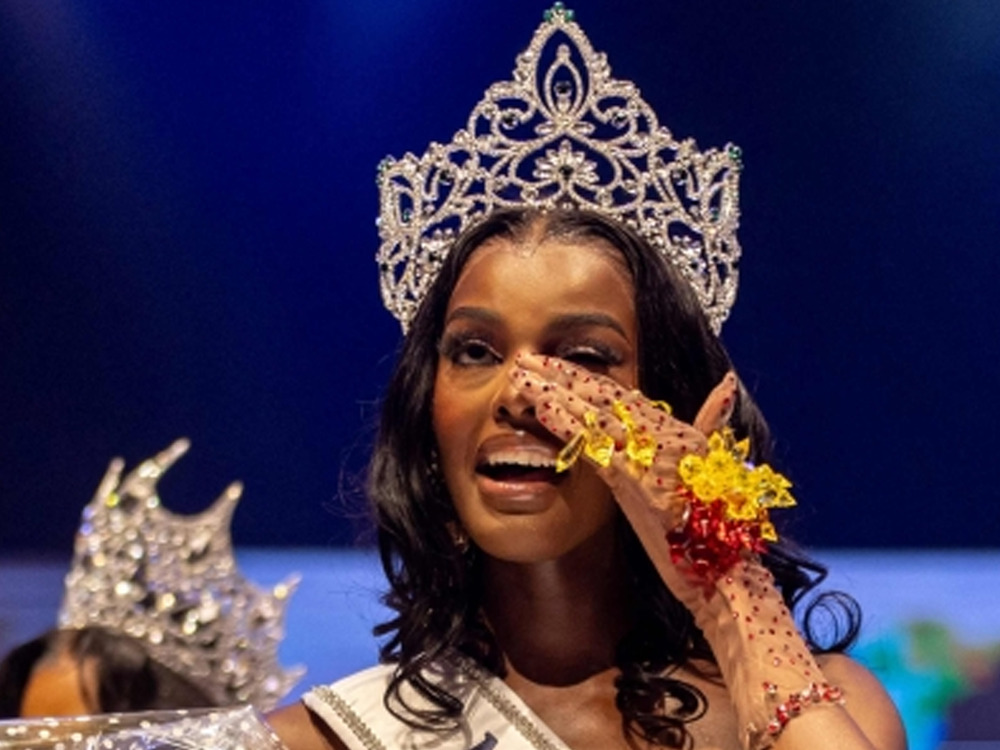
(766, 663)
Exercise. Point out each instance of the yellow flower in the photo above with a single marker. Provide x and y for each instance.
(590, 441)
(598, 446)
(725, 474)
(639, 447)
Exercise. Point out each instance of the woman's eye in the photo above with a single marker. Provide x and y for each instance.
(474, 353)
(587, 359)
(469, 352)
(591, 358)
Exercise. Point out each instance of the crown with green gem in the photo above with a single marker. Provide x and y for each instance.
(562, 133)
(172, 583)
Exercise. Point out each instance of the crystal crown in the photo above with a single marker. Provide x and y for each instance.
(172, 582)
(562, 133)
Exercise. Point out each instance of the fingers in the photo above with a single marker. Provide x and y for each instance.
(565, 394)
(614, 427)
(568, 399)
(636, 443)
(589, 387)
(718, 407)
(599, 391)
(573, 402)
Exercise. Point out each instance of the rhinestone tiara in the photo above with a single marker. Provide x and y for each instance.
(562, 133)
(172, 582)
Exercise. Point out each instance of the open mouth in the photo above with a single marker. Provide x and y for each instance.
(519, 467)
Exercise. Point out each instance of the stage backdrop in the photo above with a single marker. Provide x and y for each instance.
(187, 238)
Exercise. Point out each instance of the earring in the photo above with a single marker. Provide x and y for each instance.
(434, 475)
(459, 537)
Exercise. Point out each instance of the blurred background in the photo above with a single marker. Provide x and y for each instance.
(187, 240)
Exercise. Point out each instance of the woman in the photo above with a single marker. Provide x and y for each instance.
(535, 574)
(89, 671)
(574, 531)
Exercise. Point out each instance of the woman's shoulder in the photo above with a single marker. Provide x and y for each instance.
(865, 699)
(849, 674)
(314, 723)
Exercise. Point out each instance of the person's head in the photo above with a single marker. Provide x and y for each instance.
(568, 284)
(673, 354)
(88, 671)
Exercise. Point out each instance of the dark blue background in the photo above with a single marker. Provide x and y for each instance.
(187, 239)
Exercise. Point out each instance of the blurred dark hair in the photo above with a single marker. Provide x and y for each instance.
(435, 589)
(127, 678)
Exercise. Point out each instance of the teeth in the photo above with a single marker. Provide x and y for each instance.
(531, 459)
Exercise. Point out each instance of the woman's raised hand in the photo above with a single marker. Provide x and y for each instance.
(635, 443)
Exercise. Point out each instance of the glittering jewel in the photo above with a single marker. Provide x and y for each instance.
(662, 406)
(640, 448)
(729, 500)
(590, 441)
(562, 133)
(172, 582)
(724, 474)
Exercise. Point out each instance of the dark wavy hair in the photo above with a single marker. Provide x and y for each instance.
(127, 678)
(435, 589)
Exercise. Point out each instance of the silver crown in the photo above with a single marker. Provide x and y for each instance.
(172, 582)
(562, 133)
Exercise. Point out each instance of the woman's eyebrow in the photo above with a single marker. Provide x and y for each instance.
(480, 314)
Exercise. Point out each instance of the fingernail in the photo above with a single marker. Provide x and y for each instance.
(728, 406)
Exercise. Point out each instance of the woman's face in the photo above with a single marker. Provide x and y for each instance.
(551, 297)
(59, 686)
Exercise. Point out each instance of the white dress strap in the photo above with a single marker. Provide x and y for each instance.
(494, 717)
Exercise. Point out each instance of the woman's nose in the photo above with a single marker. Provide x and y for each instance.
(510, 404)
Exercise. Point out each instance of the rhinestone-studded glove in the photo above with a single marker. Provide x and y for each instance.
(643, 452)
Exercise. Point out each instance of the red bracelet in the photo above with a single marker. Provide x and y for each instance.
(788, 709)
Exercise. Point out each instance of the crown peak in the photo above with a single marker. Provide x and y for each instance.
(558, 12)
